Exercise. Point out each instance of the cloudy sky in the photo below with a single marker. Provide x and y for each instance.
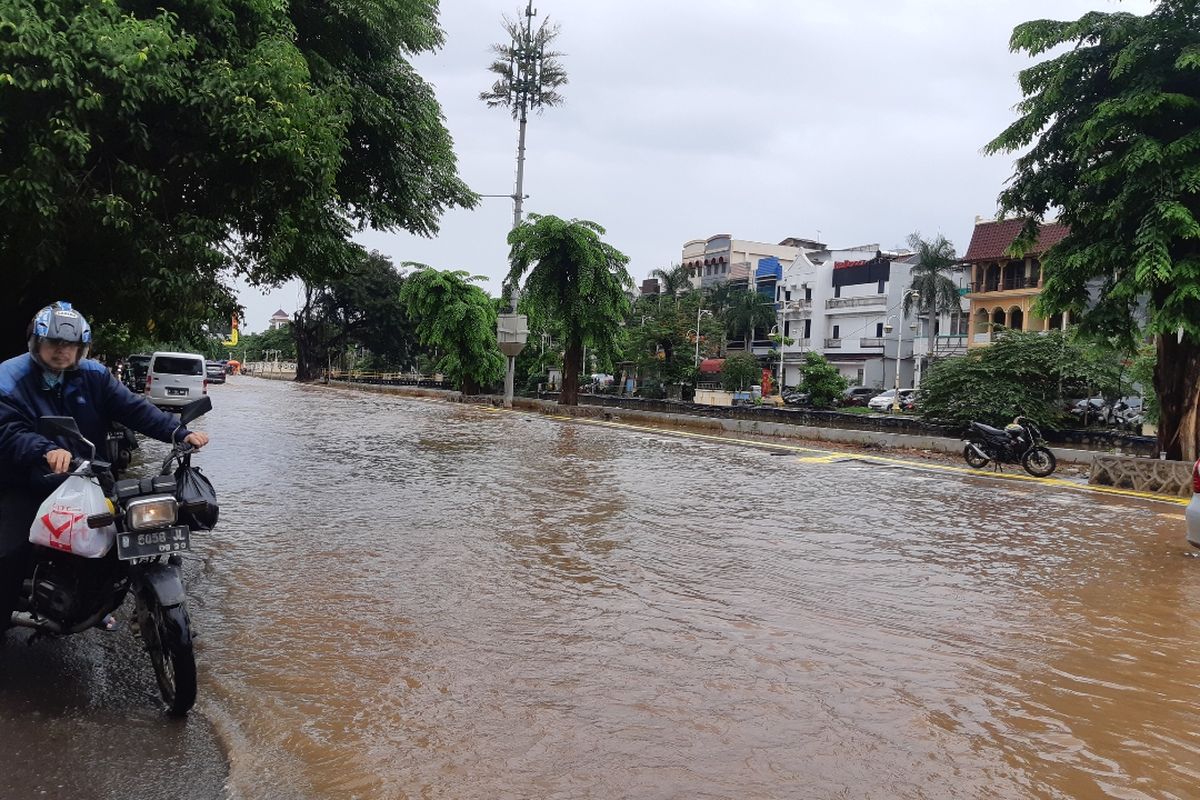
(851, 121)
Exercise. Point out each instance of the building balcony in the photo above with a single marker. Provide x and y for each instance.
(833, 344)
(1008, 284)
(853, 303)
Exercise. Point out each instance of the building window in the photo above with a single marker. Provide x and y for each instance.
(837, 292)
(808, 293)
(881, 287)
(808, 329)
(837, 331)
(787, 329)
(787, 295)
(878, 330)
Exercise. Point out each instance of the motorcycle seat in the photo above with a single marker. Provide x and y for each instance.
(988, 429)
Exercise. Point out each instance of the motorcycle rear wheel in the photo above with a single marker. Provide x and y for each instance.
(1039, 462)
(973, 459)
(168, 636)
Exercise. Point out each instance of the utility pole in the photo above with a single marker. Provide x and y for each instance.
(528, 77)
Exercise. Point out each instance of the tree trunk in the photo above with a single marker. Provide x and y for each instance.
(572, 358)
(1177, 383)
(308, 358)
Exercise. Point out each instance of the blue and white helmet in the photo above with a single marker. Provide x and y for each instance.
(60, 322)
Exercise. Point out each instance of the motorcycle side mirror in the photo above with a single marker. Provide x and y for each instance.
(195, 409)
(59, 426)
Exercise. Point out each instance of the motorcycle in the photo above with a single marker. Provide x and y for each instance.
(65, 594)
(1019, 443)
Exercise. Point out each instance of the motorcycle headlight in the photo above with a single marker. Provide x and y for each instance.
(146, 513)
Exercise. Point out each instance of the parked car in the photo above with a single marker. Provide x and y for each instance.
(795, 397)
(175, 379)
(883, 402)
(214, 371)
(858, 395)
(1192, 514)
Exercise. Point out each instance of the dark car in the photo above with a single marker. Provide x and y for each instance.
(135, 372)
(858, 395)
(214, 371)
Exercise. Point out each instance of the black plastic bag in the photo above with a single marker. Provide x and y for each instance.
(197, 499)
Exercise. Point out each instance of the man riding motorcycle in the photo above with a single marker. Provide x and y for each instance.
(55, 378)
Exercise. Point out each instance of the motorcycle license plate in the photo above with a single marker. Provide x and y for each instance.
(153, 543)
(173, 392)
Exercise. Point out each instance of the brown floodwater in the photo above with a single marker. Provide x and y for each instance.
(415, 599)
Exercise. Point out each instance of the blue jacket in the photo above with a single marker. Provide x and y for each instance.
(89, 393)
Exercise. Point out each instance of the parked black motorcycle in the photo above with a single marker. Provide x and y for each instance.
(1019, 443)
(65, 593)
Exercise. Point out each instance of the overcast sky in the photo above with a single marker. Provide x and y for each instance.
(851, 121)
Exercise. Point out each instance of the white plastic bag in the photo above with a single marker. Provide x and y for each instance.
(61, 522)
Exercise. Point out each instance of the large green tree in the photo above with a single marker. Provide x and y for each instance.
(149, 153)
(660, 337)
(575, 278)
(457, 320)
(1110, 134)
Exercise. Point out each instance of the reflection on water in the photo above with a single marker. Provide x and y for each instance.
(419, 599)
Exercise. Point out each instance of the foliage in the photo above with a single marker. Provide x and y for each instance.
(458, 320)
(936, 291)
(150, 154)
(747, 311)
(739, 371)
(1020, 374)
(364, 309)
(1109, 132)
(254, 346)
(660, 337)
(525, 66)
(821, 380)
(576, 279)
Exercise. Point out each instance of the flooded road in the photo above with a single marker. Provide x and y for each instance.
(412, 599)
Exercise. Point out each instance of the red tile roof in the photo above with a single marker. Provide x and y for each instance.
(991, 240)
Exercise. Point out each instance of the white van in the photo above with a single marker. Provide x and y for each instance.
(175, 379)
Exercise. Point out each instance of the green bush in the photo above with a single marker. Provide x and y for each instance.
(1020, 374)
(821, 380)
(739, 371)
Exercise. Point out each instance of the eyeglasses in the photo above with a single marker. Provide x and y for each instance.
(60, 344)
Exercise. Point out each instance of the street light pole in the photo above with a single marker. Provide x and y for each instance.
(899, 340)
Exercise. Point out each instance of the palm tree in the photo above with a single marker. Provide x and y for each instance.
(746, 311)
(574, 278)
(672, 280)
(935, 291)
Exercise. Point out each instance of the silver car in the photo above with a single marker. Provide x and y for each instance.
(1193, 510)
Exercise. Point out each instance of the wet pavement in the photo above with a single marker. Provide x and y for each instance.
(422, 599)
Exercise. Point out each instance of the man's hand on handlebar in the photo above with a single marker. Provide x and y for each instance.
(59, 460)
(196, 439)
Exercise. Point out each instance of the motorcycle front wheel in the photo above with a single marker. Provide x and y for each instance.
(973, 459)
(1039, 462)
(167, 633)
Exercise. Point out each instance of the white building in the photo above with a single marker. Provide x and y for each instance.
(279, 319)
